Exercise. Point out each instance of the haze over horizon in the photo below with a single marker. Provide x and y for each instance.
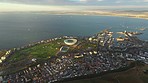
(60, 5)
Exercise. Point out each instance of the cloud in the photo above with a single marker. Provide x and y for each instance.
(88, 0)
(100, 0)
(79, 2)
(36, 1)
(130, 1)
(145, 0)
(6, 7)
(84, 0)
(49, 1)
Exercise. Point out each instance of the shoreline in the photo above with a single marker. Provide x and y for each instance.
(88, 13)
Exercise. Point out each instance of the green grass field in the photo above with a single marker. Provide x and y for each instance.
(44, 51)
(40, 51)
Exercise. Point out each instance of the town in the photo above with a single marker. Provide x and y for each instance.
(67, 57)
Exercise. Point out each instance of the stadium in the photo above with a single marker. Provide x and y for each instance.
(70, 41)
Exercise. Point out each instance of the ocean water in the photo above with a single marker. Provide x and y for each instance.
(21, 29)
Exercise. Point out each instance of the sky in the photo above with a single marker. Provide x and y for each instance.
(37, 5)
(80, 2)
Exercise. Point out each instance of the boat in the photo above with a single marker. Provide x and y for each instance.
(142, 29)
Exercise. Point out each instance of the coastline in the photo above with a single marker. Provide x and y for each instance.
(105, 15)
(138, 15)
(115, 15)
(103, 60)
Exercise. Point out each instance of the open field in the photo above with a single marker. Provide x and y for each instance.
(40, 51)
(22, 58)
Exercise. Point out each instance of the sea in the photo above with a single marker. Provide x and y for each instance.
(19, 29)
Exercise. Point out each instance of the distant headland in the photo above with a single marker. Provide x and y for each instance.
(143, 14)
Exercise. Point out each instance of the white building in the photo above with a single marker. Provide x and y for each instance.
(70, 41)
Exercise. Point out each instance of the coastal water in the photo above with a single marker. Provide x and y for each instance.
(21, 29)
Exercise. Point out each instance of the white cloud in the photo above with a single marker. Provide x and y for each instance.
(100, 0)
(79, 2)
(8, 7)
(136, 1)
(118, 2)
(145, 0)
(90, 0)
(83, 0)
